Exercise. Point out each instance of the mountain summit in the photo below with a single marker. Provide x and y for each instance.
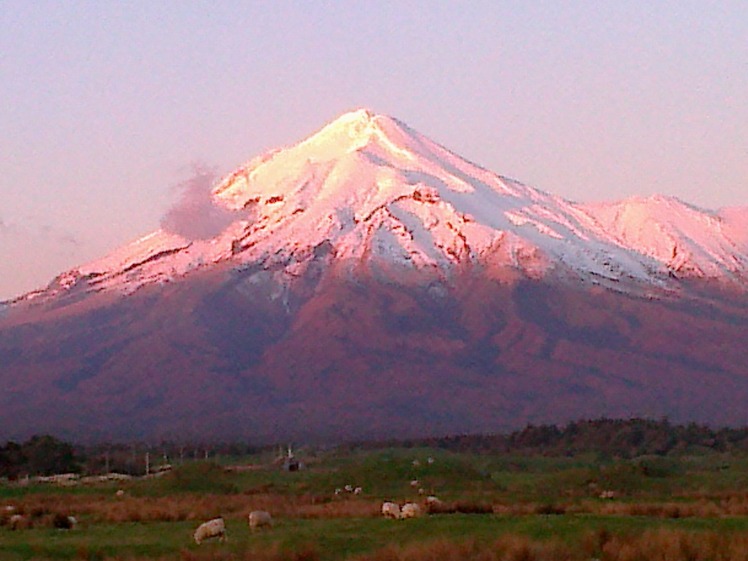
(369, 282)
(369, 190)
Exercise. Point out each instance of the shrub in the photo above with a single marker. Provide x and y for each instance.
(62, 522)
(200, 477)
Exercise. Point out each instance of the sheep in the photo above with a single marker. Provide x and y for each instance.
(338, 491)
(348, 488)
(411, 510)
(391, 510)
(5, 513)
(358, 491)
(215, 528)
(433, 504)
(120, 493)
(17, 521)
(259, 519)
(415, 483)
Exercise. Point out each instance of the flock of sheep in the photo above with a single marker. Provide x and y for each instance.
(216, 528)
(17, 521)
(410, 509)
(257, 519)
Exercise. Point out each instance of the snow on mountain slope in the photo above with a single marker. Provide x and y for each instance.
(735, 225)
(369, 191)
(691, 242)
(369, 183)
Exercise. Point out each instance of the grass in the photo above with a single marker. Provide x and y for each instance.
(335, 538)
(698, 495)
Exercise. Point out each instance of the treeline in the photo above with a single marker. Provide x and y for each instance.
(45, 455)
(40, 455)
(608, 437)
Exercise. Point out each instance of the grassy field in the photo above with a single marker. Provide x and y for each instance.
(495, 507)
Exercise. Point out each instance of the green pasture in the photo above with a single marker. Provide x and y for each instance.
(452, 476)
(331, 538)
(387, 474)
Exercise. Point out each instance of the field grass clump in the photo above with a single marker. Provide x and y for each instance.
(666, 545)
(198, 477)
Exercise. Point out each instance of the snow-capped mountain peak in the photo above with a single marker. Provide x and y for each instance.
(372, 192)
(351, 131)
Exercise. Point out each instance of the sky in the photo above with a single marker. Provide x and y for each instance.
(106, 108)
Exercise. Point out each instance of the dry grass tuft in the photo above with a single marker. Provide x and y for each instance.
(663, 545)
(274, 553)
(181, 507)
(508, 548)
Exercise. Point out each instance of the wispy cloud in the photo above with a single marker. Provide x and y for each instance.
(195, 215)
(60, 236)
(35, 231)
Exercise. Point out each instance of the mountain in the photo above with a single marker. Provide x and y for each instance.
(367, 282)
(690, 242)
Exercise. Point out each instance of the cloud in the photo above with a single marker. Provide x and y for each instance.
(195, 215)
(59, 236)
(47, 232)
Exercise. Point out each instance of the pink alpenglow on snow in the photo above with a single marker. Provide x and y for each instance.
(367, 187)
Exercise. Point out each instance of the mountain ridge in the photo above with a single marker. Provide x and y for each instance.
(368, 183)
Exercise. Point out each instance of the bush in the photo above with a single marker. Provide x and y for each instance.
(657, 466)
(62, 522)
(550, 509)
(200, 477)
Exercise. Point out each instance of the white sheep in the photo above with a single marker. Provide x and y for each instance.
(260, 519)
(120, 493)
(433, 504)
(415, 483)
(390, 510)
(348, 488)
(411, 510)
(358, 490)
(16, 521)
(215, 528)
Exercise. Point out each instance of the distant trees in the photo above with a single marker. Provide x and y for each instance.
(40, 455)
(47, 455)
(624, 438)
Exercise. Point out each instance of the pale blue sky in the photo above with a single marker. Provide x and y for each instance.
(105, 105)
